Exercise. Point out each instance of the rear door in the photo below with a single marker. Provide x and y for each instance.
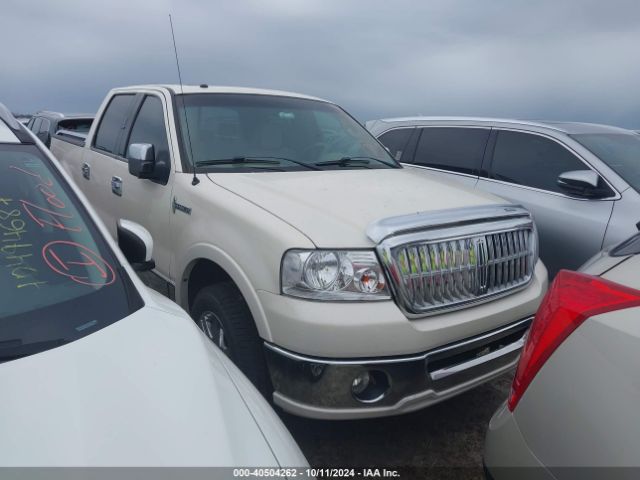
(97, 168)
(453, 153)
(523, 167)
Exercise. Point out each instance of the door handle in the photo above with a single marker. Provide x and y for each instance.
(86, 171)
(116, 186)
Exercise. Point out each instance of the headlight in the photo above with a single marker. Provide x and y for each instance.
(333, 275)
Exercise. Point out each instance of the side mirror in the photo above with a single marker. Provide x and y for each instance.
(136, 243)
(142, 160)
(583, 183)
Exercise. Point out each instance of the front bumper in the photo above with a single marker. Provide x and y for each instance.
(322, 388)
(337, 330)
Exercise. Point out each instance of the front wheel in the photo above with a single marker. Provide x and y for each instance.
(222, 314)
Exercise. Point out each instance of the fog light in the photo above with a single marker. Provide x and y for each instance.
(360, 383)
(370, 386)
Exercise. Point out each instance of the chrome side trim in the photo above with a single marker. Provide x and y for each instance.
(479, 127)
(415, 222)
(461, 367)
(163, 277)
(440, 170)
(425, 121)
(617, 196)
(409, 358)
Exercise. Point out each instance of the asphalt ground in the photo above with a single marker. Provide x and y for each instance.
(442, 441)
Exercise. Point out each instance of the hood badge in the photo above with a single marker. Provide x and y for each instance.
(182, 208)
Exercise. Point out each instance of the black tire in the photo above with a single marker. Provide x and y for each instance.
(244, 346)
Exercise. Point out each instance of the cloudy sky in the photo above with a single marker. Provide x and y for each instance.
(545, 59)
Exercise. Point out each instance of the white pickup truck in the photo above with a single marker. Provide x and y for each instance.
(341, 283)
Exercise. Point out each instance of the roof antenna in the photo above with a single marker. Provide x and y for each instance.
(195, 180)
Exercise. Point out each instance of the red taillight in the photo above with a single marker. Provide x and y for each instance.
(572, 298)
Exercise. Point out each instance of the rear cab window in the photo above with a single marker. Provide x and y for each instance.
(79, 125)
(454, 149)
(59, 280)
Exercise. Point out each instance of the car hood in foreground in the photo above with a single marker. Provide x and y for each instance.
(334, 207)
(149, 390)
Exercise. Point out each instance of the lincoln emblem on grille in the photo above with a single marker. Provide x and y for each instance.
(480, 244)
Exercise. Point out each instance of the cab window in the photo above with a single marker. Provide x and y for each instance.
(149, 127)
(35, 126)
(396, 141)
(456, 149)
(112, 123)
(45, 126)
(531, 160)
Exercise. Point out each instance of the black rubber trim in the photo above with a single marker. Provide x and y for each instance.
(630, 246)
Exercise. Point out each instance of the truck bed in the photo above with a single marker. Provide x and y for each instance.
(70, 136)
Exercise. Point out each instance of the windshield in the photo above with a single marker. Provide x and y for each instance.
(59, 281)
(620, 151)
(239, 132)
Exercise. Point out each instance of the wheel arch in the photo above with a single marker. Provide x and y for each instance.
(203, 263)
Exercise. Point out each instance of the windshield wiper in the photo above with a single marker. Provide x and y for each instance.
(348, 161)
(249, 160)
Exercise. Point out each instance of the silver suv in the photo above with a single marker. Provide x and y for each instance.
(580, 181)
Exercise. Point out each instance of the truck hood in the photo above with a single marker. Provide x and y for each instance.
(334, 207)
(149, 390)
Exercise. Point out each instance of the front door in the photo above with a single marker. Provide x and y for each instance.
(143, 201)
(524, 169)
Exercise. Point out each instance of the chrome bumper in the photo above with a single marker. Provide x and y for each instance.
(323, 387)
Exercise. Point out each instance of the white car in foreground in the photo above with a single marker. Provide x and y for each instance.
(573, 408)
(97, 370)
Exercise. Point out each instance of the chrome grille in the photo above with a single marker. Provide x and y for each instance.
(449, 264)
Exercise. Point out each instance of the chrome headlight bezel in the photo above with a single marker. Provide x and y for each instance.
(355, 270)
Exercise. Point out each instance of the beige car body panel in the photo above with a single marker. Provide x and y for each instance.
(581, 409)
(289, 210)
